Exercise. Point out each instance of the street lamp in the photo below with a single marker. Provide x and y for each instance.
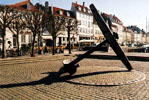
(0, 38)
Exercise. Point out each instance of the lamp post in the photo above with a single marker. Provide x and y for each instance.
(0, 39)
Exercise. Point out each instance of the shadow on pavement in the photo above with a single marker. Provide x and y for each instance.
(114, 57)
(54, 77)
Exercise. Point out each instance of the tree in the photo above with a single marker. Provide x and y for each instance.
(71, 25)
(6, 17)
(54, 24)
(16, 28)
(34, 22)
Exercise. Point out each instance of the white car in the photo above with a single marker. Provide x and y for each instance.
(146, 46)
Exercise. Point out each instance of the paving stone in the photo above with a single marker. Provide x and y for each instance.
(28, 81)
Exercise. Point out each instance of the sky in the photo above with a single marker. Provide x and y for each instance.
(130, 12)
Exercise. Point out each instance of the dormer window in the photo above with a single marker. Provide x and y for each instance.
(60, 12)
(28, 6)
(79, 8)
(89, 11)
(84, 10)
(68, 14)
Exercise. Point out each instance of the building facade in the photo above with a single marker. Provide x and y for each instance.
(85, 17)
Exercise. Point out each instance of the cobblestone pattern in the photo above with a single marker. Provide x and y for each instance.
(106, 76)
(31, 81)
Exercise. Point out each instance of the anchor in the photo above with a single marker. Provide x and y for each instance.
(71, 66)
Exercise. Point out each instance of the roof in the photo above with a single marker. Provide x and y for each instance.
(114, 26)
(81, 8)
(116, 19)
(23, 6)
(63, 12)
(107, 15)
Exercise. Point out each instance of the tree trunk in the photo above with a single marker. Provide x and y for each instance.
(69, 45)
(4, 44)
(39, 52)
(18, 48)
(33, 43)
(54, 45)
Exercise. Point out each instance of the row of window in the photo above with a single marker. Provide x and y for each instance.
(97, 32)
(85, 16)
(85, 38)
(66, 39)
(85, 10)
(86, 30)
(86, 23)
(23, 38)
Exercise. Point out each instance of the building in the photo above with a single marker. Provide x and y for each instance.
(98, 36)
(129, 36)
(62, 35)
(117, 26)
(25, 37)
(85, 29)
(147, 38)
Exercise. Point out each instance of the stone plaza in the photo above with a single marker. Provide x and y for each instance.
(97, 78)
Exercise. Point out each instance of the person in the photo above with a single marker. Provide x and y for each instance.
(45, 50)
(115, 35)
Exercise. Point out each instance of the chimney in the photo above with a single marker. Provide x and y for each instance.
(46, 6)
(83, 3)
(76, 2)
(37, 5)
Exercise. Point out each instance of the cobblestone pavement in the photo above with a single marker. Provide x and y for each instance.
(37, 81)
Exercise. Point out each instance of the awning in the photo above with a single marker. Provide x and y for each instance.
(81, 41)
(47, 37)
(85, 35)
(101, 36)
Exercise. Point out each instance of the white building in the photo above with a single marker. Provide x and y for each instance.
(85, 29)
(62, 35)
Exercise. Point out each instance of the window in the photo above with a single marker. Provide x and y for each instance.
(89, 11)
(81, 38)
(68, 14)
(86, 30)
(79, 14)
(79, 8)
(29, 38)
(28, 6)
(84, 10)
(80, 29)
(60, 12)
(0, 33)
(23, 39)
(14, 40)
(91, 17)
(88, 24)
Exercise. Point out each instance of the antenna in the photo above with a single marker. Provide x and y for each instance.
(146, 25)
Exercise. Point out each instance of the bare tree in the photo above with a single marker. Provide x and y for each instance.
(71, 25)
(6, 17)
(34, 22)
(16, 28)
(54, 24)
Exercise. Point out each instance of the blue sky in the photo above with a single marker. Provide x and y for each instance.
(130, 12)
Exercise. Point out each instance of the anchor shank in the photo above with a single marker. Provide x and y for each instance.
(88, 53)
(111, 40)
